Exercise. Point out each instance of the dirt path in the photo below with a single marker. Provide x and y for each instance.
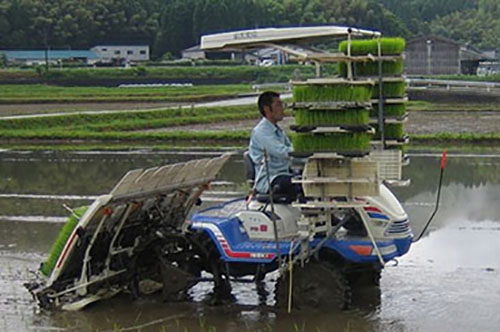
(29, 109)
(455, 122)
(419, 122)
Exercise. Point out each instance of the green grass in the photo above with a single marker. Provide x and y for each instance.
(60, 242)
(424, 106)
(304, 117)
(390, 110)
(171, 122)
(389, 46)
(464, 138)
(42, 93)
(172, 136)
(127, 146)
(489, 78)
(106, 76)
(345, 142)
(390, 90)
(334, 92)
(130, 120)
(371, 68)
(128, 126)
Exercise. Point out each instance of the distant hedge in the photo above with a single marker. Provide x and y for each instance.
(178, 74)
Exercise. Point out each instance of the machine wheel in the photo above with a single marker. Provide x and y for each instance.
(367, 277)
(216, 266)
(316, 285)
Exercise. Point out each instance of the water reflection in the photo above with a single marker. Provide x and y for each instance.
(450, 273)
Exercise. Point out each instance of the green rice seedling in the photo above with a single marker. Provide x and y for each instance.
(304, 117)
(390, 90)
(331, 142)
(332, 92)
(389, 46)
(390, 110)
(74, 121)
(60, 242)
(370, 68)
(391, 131)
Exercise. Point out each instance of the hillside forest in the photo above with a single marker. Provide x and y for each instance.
(169, 26)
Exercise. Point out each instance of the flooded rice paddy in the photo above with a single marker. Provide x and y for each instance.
(449, 281)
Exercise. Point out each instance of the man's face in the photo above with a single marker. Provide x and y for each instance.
(276, 112)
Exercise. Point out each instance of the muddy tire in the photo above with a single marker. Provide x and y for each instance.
(215, 265)
(316, 285)
(364, 278)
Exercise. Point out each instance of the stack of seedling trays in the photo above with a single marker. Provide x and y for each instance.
(388, 98)
(332, 116)
(332, 128)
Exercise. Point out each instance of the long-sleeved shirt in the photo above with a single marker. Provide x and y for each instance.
(270, 137)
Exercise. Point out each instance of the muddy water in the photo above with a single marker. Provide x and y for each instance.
(449, 281)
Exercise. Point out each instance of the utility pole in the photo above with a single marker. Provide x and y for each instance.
(429, 57)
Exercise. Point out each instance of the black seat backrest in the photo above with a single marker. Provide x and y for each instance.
(249, 168)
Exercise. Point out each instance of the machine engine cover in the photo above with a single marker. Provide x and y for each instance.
(259, 225)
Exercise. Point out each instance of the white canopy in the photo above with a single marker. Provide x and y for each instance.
(252, 38)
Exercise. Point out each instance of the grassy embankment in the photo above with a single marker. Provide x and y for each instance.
(122, 130)
(425, 106)
(179, 74)
(489, 78)
(41, 93)
(127, 129)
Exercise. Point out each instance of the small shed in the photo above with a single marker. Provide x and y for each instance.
(121, 53)
(193, 53)
(433, 55)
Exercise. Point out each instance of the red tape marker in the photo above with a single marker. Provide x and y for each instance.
(443, 160)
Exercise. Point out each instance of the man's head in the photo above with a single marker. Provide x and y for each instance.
(271, 107)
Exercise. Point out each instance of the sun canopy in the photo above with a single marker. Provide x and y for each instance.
(257, 37)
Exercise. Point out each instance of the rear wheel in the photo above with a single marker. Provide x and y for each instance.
(316, 285)
(217, 267)
(365, 277)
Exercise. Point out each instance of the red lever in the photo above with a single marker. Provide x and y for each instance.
(443, 160)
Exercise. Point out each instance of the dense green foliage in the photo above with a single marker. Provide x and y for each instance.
(170, 25)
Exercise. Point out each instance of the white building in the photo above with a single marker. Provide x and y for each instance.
(126, 53)
(38, 57)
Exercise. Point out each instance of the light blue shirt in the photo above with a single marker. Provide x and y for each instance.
(270, 137)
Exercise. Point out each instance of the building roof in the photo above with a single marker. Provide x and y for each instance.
(468, 52)
(257, 37)
(52, 54)
(433, 38)
(120, 45)
(195, 48)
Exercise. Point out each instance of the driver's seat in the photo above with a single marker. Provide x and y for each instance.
(250, 177)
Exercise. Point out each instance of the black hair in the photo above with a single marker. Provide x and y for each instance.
(266, 99)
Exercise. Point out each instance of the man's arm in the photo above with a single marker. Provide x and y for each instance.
(270, 142)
